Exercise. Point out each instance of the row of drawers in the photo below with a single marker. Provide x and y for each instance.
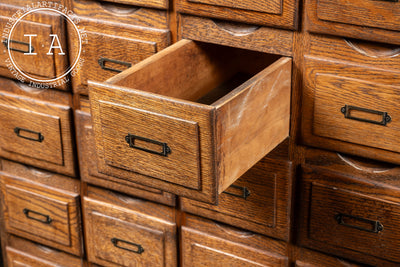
(348, 104)
(347, 207)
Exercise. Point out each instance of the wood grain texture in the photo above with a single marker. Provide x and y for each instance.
(40, 23)
(368, 75)
(55, 152)
(239, 35)
(368, 20)
(203, 242)
(203, 66)
(104, 221)
(121, 13)
(326, 194)
(283, 14)
(146, 3)
(60, 207)
(130, 46)
(273, 7)
(309, 258)
(267, 208)
(21, 251)
(90, 174)
(256, 114)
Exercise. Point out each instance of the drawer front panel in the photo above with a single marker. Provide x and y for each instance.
(17, 258)
(274, 6)
(147, 3)
(374, 14)
(118, 236)
(202, 249)
(349, 217)
(41, 214)
(37, 133)
(280, 13)
(150, 143)
(108, 55)
(90, 173)
(258, 201)
(19, 46)
(346, 109)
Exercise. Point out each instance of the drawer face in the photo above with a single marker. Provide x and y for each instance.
(122, 237)
(369, 13)
(181, 123)
(349, 219)
(113, 49)
(281, 13)
(146, 3)
(258, 201)
(274, 6)
(351, 108)
(201, 249)
(50, 215)
(157, 144)
(109, 55)
(18, 45)
(17, 258)
(90, 174)
(357, 108)
(36, 132)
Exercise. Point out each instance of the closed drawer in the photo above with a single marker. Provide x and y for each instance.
(309, 258)
(174, 126)
(90, 174)
(258, 201)
(351, 105)
(235, 34)
(109, 54)
(280, 13)
(21, 253)
(39, 212)
(35, 132)
(369, 19)
(227, 246)
(118, 236)
(349, 217)
(22, 50)
(121, 13)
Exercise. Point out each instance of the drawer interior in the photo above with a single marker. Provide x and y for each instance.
(199, 72)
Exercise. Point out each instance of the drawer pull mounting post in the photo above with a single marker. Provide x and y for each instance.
(130, 139)
(116, 242)
(346, 110)
(103, 60)
(245, 193)
(46, 218)
(376, 225)
(39, 137)
(29, 50)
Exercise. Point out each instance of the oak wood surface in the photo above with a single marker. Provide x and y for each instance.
(134, 230)
(265, 96)
(257, 38)
(39, 212)
(90, 174)
(282, 14)
(48, 122)
(369, 20)
(205, 241)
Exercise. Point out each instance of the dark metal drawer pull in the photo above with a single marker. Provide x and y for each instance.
(29, 50)
(103, 60)
(376, 225)
(46, 218)
(130, 139)
(115, 242)
(244, 194)
(385, 117)
(18, 131)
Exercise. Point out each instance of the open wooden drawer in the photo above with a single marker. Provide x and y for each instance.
(191, 119)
